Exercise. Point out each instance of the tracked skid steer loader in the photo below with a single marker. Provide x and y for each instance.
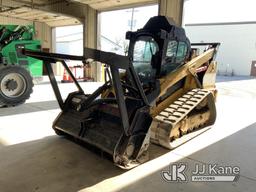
(163, 92)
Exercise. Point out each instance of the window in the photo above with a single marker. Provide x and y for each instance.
(143, 51)
(182, 52)
(176, 52)
(142, 55)
(175, 55)
(171, 49)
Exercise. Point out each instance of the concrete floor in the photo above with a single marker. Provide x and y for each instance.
(33, 158)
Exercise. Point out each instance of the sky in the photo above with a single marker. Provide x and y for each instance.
(210, 11)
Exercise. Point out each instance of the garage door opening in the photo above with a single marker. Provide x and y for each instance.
(69, 40)
(114, 25)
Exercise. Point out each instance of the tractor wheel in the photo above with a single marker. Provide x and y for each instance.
(16, 85)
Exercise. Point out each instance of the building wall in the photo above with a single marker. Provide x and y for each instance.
(44, 33)
(13, 21)
(238, 44)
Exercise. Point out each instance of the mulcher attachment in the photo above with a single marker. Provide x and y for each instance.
(118, 125)
(101, 126)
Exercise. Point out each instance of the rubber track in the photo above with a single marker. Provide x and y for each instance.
(168, 118)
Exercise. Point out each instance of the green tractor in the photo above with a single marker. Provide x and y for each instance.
(17, 70)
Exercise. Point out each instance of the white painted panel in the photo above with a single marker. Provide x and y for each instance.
(238, 45)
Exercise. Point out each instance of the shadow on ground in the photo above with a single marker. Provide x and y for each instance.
(55, 164)
(58, 164)
(29, 108)
(51, 164)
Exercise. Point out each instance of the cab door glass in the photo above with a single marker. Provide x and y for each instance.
(142, 55)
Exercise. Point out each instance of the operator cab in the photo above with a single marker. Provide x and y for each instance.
(157, 49)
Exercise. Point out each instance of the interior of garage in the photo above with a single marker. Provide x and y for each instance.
(34, 158)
